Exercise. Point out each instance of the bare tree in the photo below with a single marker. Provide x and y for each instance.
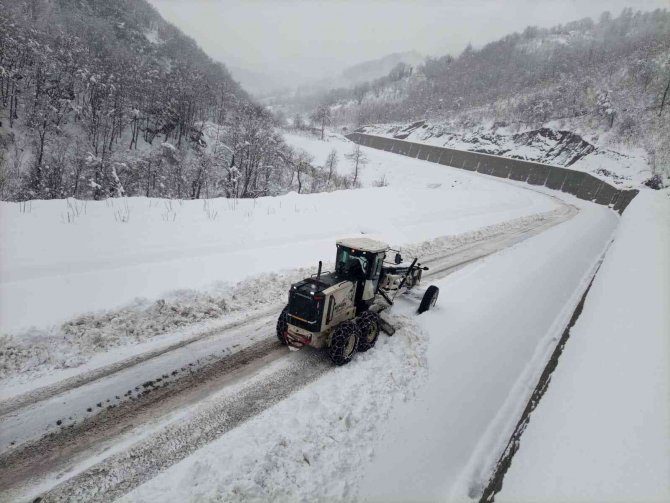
(301, 164)
(298, 122)
(358, 159)
(665, 94)
(330, 166)
(321, 116)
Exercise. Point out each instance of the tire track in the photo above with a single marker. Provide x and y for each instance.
(39, 394)
(56, 451)
(122, 472)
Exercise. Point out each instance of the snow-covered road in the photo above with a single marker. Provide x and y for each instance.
(602, 430)
(490, 338)
(98, 415)
(423, 416)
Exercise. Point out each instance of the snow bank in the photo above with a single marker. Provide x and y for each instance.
(602, 430)
(39, 352)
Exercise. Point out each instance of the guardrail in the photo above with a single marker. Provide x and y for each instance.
(577, 183)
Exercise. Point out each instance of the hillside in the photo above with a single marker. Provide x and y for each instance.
(105, 99)
(607, 79)
(373, 69)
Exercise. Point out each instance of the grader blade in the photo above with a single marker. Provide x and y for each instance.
(384, 324)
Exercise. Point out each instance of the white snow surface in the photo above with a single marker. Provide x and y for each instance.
(424, 415)
(310, 446)
(60, 259)
(496, 326)
(602, 430)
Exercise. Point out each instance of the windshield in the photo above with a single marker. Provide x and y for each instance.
(350, 264)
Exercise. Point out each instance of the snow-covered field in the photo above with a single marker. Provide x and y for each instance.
(602, 430)
(622, 166)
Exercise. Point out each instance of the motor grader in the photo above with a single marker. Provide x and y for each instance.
(340, 310)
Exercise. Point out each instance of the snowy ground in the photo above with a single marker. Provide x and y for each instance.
(437, 397)
(94, 416)
(623, 166)
(602, 430)
(425, 415)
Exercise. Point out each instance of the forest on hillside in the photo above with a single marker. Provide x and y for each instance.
(606, 76)
(101, 99)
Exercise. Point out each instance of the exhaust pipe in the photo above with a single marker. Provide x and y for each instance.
(318, 274)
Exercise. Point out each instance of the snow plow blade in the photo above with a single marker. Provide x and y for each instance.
(386, 327)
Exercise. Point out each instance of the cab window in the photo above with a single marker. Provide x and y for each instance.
(379, 261)
(351, 264)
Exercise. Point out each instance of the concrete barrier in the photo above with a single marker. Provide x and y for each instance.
(556, 178)
(378, 143)
(538, 173)
(519, 172)
(469, 162)
(624, 199)
(606, 194)
(501, 171)
(589, 187)
(434, 154)
(445, 158)
(499, 166)
(400, 147)
(572, 182)
(484, 165)
(577, 183)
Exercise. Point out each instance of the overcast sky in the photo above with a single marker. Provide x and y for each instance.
(297, 40)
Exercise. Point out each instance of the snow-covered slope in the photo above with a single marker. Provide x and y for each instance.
(602, 430)
(626, 168)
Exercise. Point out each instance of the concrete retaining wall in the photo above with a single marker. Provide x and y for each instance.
(577, 183)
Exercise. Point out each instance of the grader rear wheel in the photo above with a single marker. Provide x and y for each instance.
(282, 326)
(344, 342)
(368, 322)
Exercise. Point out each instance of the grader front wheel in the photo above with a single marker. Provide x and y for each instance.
(429, 298)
